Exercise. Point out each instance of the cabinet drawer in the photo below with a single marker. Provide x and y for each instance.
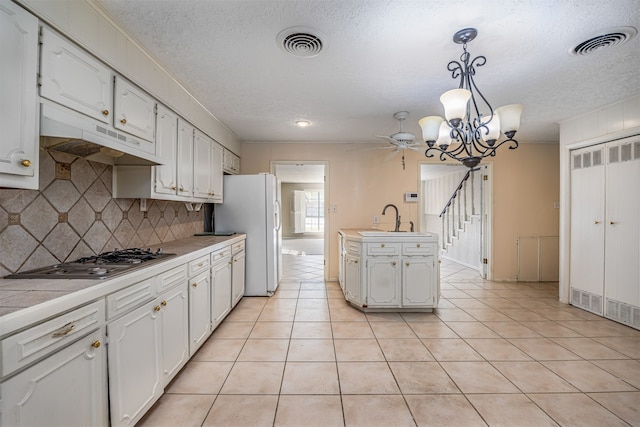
(122, 301)
(171, 278)
(220, 254)
(383, 248)
(418, 248)
(237, 247)
(199, 265)
(353, 248)
(21, 349)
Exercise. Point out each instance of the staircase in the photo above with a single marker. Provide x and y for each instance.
(462, 221)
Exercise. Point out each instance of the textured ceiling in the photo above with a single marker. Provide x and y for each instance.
(381, 57)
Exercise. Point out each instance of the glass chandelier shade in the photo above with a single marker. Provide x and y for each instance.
(466, 134)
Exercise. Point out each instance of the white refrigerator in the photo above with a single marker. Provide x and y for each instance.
(251, 206)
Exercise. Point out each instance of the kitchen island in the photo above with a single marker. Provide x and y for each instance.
(389, 271)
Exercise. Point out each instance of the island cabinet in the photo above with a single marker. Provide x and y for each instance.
(390, 272)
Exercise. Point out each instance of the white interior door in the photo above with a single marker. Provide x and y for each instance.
(587, 224)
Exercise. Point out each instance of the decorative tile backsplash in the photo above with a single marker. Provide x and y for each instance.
(73, 215)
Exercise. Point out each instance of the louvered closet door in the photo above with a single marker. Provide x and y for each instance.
(622, 235)
(587, 228)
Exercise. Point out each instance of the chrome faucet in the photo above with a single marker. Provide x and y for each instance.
(397, 216)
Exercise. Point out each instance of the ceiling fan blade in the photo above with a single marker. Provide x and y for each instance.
(387, 138)
(418, 148)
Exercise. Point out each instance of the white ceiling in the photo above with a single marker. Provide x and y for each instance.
(383, 56)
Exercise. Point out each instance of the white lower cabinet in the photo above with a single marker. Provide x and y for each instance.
(237, 276)
(68, 388)
(416, 271)
(174, 319)
(135, 364)
(148, 345)
(353, 280)
(221, 285)
(199, 311)
(383, 286)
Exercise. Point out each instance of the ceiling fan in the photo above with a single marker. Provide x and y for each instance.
(399, 141)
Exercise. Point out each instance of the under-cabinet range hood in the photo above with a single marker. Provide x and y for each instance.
(70, 132)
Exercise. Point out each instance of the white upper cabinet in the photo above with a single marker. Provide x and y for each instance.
(231, 163)
(18, 97)
(185, 158)
(71, 77)
(202, 165)
(215, 194)
(134, 110)
(166, 149)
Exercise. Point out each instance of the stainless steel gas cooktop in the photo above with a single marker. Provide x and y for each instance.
(103, 266)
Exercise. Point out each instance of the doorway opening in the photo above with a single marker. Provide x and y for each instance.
(302, 194)
(457, 207)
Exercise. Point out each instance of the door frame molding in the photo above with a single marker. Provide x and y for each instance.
(327, 201)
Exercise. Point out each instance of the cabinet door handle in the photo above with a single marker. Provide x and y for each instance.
(173, 187)
(596, 222)
(96, 344)
(407, 264)
(163, 303)
(156, 308)
(612, 222)
(63, 331)
(382, 245)
(195, 284)
(181, 188)
(123, 121)
(105, 112)
(355, 262)
(393, 263)
(26, 163)
(418, 245)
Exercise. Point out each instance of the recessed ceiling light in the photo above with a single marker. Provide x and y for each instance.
(303, 123)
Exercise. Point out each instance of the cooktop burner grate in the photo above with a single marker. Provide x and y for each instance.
(103, 266)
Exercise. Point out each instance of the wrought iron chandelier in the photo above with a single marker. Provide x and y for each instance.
(467, 134)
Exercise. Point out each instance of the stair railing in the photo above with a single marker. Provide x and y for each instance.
(449, 217)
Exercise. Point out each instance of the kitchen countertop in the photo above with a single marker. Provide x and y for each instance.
(390, 236)
(27, 301)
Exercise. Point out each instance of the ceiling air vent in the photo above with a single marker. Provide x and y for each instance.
(605, 38)
(303, 42)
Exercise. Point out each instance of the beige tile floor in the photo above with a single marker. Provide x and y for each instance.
(493, 353)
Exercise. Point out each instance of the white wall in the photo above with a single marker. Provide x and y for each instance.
(612, 122)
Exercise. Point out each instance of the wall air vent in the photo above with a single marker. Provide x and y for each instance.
(303, 42)
(608, 37)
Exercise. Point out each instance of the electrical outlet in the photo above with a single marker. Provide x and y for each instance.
(334, 208)
(376, 219)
